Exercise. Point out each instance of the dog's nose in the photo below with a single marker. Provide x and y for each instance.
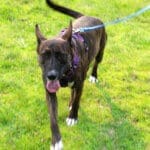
(52, 75)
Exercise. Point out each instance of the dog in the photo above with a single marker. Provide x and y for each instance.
(64, 61)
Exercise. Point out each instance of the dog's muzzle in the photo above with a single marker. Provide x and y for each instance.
(53, 83)
(52, 75)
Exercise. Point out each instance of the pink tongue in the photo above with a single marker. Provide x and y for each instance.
(53, 86)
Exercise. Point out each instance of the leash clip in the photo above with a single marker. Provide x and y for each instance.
(78, 30)
(75, 30)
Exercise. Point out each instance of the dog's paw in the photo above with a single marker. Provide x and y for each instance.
(70, 108)
(57, 146)
(93, 79)
(71, 121)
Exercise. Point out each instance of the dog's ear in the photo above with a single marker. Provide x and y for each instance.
(68, 33)
(39, 35)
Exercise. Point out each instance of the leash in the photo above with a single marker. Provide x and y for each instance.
(113, 22)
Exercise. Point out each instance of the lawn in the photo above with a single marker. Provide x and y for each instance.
(114, 114)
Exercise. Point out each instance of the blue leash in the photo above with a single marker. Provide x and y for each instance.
(116, 21)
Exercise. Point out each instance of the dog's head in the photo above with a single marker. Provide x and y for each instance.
(55, 57)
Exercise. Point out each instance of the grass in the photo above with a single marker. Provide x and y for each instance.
(114, 114)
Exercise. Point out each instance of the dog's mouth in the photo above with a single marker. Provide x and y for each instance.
(52, 86)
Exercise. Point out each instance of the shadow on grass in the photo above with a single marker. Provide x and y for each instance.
(118, 134)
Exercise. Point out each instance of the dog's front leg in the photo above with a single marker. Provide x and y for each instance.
(52, 107)
(74, 105)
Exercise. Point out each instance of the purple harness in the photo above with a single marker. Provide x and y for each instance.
(70, 74)
(76, 37)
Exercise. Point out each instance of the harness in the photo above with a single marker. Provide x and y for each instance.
(69, 75)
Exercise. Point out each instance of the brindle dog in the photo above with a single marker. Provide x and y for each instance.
(65, 60)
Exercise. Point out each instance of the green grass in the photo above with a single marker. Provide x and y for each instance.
(114, 114)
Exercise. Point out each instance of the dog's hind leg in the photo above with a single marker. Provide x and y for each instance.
(98, 58)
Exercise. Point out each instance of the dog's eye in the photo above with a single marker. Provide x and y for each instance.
(57, 54)
(46, 55)
(43, 57)
(60, 57)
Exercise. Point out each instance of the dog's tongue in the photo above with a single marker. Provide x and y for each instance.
(53, 86)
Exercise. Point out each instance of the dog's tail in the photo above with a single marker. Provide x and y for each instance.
(64, 10)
